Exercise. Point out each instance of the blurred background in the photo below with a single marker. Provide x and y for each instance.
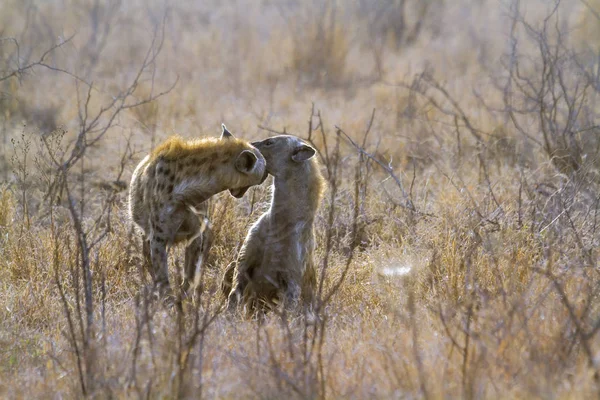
(259, 62)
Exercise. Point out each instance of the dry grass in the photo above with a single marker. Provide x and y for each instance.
(457, 243)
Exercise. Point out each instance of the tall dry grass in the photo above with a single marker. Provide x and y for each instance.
(457, 242)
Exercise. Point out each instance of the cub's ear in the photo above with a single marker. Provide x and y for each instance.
(225, 133)
(303, 152)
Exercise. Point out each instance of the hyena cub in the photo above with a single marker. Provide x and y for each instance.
(276, 259)
(169, 189)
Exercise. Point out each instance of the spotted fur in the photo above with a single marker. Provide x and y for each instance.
(169, 192)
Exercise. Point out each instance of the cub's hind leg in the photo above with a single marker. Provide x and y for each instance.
(227, 280)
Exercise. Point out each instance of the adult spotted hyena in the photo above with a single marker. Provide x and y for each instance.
(169, 189)
(276, 259)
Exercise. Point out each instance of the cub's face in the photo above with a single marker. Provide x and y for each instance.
(283, 153)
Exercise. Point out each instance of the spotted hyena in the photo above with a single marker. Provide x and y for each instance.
(276, 259)
(168, 194)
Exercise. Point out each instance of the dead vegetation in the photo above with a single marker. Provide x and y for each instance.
(457, 244)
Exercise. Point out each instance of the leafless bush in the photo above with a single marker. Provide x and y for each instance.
(549, 93)
(393, 24)
(57, 162)
(305, 337)
(457, 251)
(320, 44)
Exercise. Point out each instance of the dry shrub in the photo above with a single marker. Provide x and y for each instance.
(7, 210)
(457, 252)
(320, 46)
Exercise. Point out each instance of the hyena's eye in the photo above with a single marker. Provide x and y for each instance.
(269, 142)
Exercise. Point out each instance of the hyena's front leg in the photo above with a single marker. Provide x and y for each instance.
(196, 254)
(193, 261)
(292, 294)
(250, 257)
(309, 283)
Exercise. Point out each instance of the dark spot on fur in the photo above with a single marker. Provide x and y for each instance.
(170, 188)
(166, 171)
(159, 239)
(158, 229)
(211, 168)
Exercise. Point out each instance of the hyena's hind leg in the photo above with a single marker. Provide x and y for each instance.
(239, 273)
(146, 258)
(160, 266)
(147, 265)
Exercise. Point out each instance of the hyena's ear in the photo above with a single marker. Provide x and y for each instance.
(225, 133)
(303, 153)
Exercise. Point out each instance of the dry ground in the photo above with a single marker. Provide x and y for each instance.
(457, 244)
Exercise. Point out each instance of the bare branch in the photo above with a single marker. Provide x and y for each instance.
(40, 62)
(387, 168)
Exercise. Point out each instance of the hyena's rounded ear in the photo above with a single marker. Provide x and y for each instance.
(225, 133)
(245, 162)
(303, 152)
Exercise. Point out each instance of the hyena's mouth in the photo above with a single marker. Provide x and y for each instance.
(239, 192)
(265, 176)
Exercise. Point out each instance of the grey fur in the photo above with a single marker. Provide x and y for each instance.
(276, 259)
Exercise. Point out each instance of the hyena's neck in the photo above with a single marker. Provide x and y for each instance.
(185, 180)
